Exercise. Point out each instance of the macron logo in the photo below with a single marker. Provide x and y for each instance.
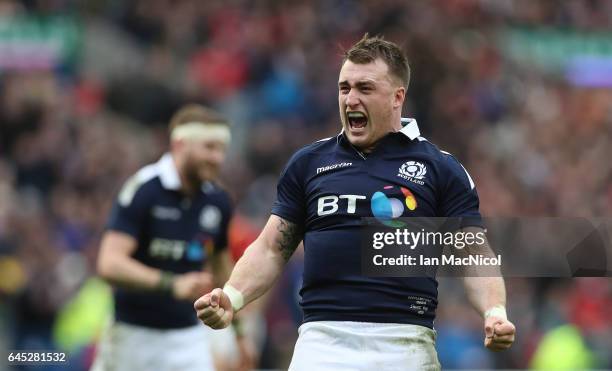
(334, 166)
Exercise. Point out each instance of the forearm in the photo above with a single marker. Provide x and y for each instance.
(256, 271)
(264, 259)
(222, 265)
(484, 285)
(485, 293)
(126, 272)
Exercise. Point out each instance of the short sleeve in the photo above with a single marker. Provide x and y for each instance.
(130, 209)
(290, 196)
(459, 196)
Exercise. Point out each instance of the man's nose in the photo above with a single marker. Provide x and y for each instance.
(352, 99)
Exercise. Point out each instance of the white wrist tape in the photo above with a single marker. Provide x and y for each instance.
(496, 311)
(235, 297)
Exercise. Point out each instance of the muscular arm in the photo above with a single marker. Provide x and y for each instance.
(486, 292)
(221, 264)
(116, 265)
(264, 259)
(484, 286)
(253, 275)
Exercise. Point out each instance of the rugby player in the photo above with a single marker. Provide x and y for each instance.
(352, 321)
(168, 226)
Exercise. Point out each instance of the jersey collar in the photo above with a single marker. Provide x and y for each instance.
(168, 174)
(410, 129)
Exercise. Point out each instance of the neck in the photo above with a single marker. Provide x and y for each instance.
(369, 149)
(395, 127)
(397, 122)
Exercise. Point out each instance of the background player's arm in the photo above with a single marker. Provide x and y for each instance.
(117, 266)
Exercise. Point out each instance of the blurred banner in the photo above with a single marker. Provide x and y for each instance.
(584, 58)
(29, 42)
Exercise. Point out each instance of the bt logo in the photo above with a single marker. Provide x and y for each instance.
(385, 204)
(329, 204)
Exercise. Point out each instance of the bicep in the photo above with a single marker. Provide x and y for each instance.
(476, 245)
(115, 247)
(468, 240)
(281, 237)
(115, 243)
(476, 240)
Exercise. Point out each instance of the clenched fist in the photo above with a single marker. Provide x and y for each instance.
(215, 309)
(499, 333)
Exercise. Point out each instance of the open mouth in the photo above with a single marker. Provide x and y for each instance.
(357, 120)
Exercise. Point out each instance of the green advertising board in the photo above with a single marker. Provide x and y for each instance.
(38, 42)
(555, 49)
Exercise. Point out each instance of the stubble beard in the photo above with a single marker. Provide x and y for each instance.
(192, 176)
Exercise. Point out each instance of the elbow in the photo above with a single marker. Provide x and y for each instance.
(104, 268)
(114, 249)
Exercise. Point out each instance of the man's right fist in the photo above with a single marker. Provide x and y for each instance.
(192, 285)
(215, 309)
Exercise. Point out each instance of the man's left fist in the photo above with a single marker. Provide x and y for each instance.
(499, 333)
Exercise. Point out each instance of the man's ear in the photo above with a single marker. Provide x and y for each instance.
(399, 96)
(174, 145)
(177, 145)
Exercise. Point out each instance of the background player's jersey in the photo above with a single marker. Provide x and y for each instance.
(174, 232)
(329, 186)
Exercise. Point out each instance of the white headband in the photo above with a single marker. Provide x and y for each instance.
(197, 130)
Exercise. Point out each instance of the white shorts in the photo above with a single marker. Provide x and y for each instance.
(136, 348)
(343, 346)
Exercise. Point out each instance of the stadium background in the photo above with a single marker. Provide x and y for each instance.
(519, 91)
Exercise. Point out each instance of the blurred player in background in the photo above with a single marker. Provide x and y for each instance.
(352, 321)
(166, 246)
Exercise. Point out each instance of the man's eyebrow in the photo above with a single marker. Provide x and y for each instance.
(358, 83)
(364, 83)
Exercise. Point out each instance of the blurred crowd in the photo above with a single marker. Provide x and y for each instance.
(74, 127)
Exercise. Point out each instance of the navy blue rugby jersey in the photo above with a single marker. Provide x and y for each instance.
(328, 186)
(174, 232)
